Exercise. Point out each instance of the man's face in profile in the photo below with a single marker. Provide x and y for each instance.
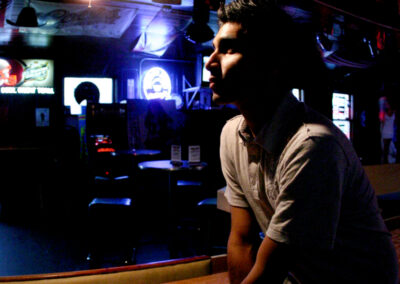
(229, 65)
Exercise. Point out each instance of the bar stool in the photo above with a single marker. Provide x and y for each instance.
(111, 213)
(214, 227)
(184, 232)
(186, 194)
(112, 236)
(109, 185)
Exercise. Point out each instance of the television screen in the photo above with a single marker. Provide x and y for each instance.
(26, 76)
(104, 86)
(341, 106)
(343, 125)
(205, 74)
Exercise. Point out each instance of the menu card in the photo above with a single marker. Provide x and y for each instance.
(194, 154)
(176, 154)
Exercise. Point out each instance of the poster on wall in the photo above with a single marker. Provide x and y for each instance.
(62, 18)
(26, 76)
(42, 117)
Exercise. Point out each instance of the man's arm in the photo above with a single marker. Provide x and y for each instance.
(248, 262)
(271, 264)
(242, 244)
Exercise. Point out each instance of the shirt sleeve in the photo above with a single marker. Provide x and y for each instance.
(233, 193)
(310, 182)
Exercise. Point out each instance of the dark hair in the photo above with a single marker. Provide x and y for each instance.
(290, 44)
(254, 14)
(257, 17)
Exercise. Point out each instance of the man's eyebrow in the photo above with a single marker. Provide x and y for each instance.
(228, 39)
(230, 42)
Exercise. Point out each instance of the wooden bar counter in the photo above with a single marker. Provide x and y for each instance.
(217, 278)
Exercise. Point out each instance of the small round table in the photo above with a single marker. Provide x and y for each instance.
(132, 157)
(167, 165)
(170, 168)
(138, 152)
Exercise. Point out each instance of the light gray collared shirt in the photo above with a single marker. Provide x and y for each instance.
(306, 186)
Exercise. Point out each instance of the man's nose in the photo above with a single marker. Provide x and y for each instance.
(212, 61)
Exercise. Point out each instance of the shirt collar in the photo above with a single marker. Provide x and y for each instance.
(272, 136)
(245, 132)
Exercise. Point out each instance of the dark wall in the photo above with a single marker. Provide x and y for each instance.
(61, 181)
(203, 127)
(59, 145)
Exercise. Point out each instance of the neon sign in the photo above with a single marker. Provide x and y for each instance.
(29, 76)
(157, 84)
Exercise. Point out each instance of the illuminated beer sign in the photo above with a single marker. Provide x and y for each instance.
(157, 84)
(26, 77)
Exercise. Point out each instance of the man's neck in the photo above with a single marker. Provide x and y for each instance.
(259, 112)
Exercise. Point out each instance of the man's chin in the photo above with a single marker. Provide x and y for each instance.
(219, 100)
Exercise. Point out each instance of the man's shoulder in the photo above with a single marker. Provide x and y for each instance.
(233, 123)
(318, 135)
(318, 125)
(235, 120)
(229, 133)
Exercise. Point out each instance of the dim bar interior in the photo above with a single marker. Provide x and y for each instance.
(91, 92)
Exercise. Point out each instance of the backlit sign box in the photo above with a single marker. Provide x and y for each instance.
(341, 106)
(26, 77)
(157, 84)
(104, 85)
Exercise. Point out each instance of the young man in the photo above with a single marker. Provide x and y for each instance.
(290, 173)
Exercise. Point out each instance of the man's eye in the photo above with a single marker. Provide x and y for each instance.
(229, 46)
(227, 49)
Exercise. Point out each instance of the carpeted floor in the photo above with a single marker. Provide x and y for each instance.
(55, 246)
(32, 249)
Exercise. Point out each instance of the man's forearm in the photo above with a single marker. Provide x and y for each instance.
(271, 263)
(241, 257)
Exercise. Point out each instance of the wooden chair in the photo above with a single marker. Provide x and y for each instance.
(393, 225)
(385, 180)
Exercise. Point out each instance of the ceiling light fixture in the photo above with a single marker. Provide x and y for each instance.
(26, 18)
(199, 31)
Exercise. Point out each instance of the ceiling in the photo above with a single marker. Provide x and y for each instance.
(141, 26)
(348, 33)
